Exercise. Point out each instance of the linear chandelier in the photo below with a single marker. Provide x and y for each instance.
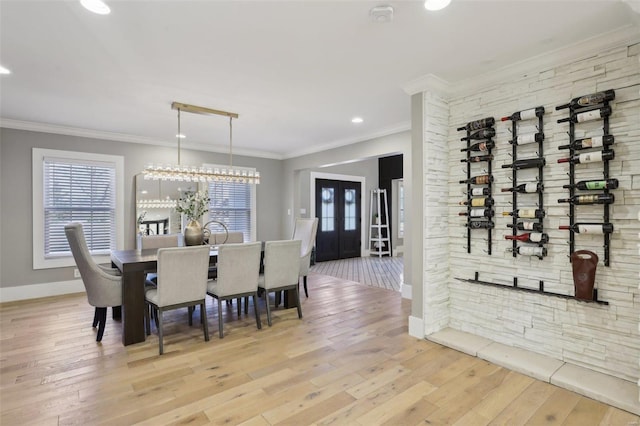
(201, 173)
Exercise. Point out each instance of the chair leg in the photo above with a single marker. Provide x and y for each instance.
(277, 299)
(255, 309)
(298, 301)
(95, 317)
(205, 324)
(147, 318)
(239, 305)
(190, 311)
(102, 319)
(159, 315)
(306, 292)
(266, 302)
(246, 305)
(220, 319)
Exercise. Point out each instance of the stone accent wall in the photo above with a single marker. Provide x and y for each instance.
(602, 338)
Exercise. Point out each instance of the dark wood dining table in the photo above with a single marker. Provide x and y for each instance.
(134, 265)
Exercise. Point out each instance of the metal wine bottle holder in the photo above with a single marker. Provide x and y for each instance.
(572, 169)
(514, 177)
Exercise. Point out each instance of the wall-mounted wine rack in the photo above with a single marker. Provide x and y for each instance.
(581, 109)
(532, 218)
(480, 213)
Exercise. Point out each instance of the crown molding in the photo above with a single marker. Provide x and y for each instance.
(122, 137)
(629, 34)
(400, 127)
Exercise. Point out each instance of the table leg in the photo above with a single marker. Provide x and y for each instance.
(116, 313)
(133, 307)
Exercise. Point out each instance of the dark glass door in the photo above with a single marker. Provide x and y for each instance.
(338, 213)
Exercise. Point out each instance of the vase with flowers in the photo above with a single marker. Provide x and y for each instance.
(193, 204)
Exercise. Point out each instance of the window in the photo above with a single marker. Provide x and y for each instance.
(328, 210)
(75, 187)
(233, 203)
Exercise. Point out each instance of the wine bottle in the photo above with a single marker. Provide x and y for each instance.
(527, 226)
(593, 142)
(481, 134)
(477, 213)
(586, 100)
(589, 199)
(478, 124)
(478, 202)
(478, 191)
(531, 251)
(589, 157)
(525, 115)
(528, 138)
(525, 188)
(589, 228)
(477, 158)
(594, 184)
(529, 237)
(526, 163)
(479, 180)
(480, 146)
(526, 213)
(480, 224)
(581, 117)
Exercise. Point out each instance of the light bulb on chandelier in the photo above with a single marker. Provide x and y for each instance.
(203, 174)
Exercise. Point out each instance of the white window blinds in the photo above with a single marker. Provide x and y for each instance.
(79, 191)
(231, 204)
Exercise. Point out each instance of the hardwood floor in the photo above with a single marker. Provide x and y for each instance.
(383, 272)
(348, 361)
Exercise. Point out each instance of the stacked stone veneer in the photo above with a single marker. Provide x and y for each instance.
(602, 338)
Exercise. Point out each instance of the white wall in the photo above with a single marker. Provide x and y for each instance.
(602, 338)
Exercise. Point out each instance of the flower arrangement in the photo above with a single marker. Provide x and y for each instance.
(193, 204)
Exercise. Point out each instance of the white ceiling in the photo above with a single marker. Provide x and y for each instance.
(295, 71)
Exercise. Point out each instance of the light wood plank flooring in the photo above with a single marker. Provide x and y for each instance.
(349, 361)
(383, 272)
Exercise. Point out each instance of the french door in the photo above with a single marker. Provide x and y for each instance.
(339, 219)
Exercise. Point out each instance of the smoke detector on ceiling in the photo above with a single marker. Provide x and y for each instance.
(381, 14)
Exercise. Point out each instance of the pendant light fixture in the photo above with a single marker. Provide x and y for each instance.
(199, 173)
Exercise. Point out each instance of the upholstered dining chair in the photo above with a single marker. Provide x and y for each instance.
(305, 230)
(238, 270)
(281, 270)
(218, 238)
(182, 282)
(103, 285)
(156, 242)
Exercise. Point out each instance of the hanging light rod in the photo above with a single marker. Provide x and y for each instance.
(201, 110)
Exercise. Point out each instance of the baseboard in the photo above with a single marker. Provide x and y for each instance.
(416, 327)
(35, 291)
(406, 291)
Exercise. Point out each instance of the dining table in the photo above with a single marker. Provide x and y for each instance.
(134, 264)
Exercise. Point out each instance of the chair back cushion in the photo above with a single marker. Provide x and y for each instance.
(281, 264)
(238, 268)
(159, 241)
(103, 289)
(305, 230)
(182, 274)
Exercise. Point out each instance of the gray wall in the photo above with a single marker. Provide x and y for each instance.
(16, 200)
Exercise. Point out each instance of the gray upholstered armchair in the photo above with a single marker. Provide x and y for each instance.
(305, 230)
(103, 285)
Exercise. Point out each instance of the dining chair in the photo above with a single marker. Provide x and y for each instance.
(238, 270)
(281, 271)
(103, 285)
(218, 238)
(182, 282)
(156, 242)
(305, 230)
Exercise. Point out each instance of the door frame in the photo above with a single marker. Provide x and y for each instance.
(363, 194)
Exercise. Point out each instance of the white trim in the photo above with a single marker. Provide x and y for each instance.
(626, 35)
(38, 154)
(36, 291)
(406, 290)
(416, 327)
(347, 178)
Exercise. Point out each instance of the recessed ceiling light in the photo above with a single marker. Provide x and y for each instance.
(436, 4)
(96, 6)
(357, 120)
(181, 136)
(3, 70)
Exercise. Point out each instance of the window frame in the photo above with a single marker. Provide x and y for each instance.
(252, 199)
(38, 156)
